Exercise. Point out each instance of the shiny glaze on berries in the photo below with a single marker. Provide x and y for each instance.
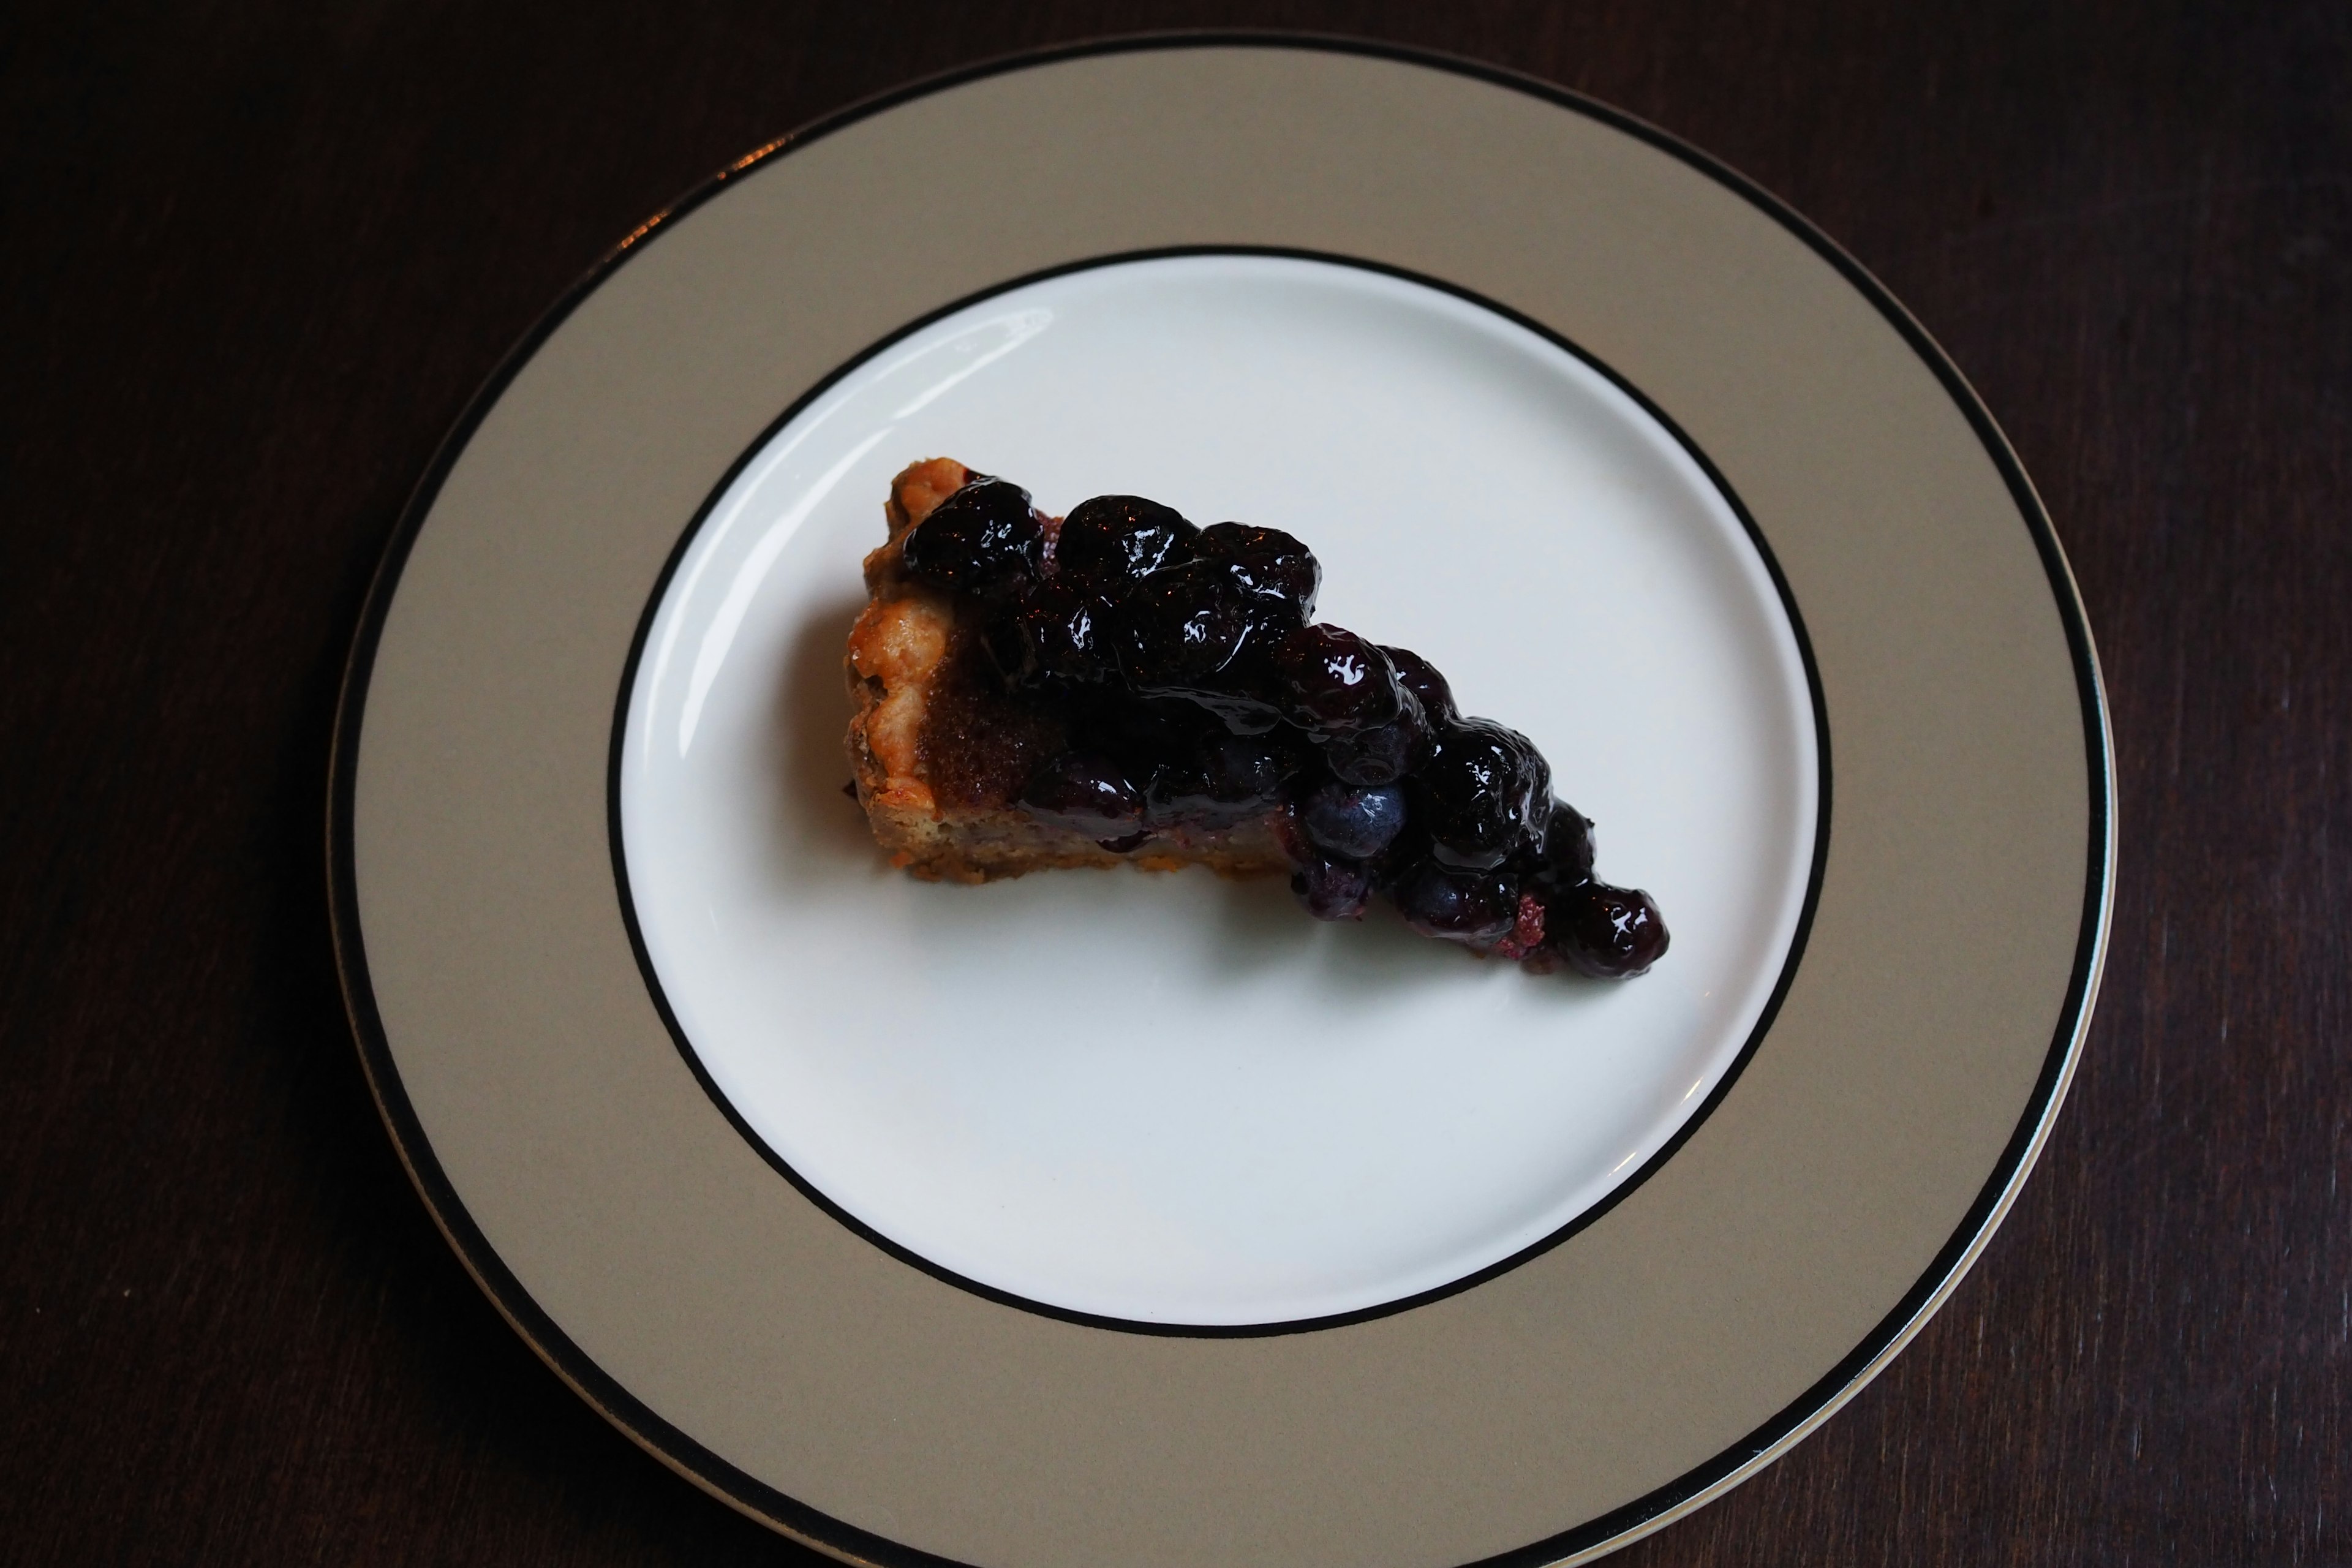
(1086, 793)
(1333, 681)
(1266, 563)
(1109, 542)
(985, 540)
(1483, 793)
(1331, 889)
(1350, 820)
(1476, 907)
(1605, 932)
(1124, 674)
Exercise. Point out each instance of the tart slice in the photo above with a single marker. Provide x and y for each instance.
(1121, 685)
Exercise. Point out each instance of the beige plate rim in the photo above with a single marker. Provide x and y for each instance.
(1636, 1518)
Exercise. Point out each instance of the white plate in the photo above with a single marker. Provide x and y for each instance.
(648, 1042)
(1175, 1100)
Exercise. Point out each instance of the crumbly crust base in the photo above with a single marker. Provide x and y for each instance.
(894, 656)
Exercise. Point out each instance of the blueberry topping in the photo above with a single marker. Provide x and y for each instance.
(1608, 933)
(1420, 678)
(1245, 712)
(1352, 821)
(1178, 792)
(1056, 633)
(1483, 793)
(1110, 540)
(1179, 628)
(984, 540)
(1335, 681)
(1479, 907)
(1228, 779)
(1564, 860)
(1185, 629)
(1267, 563)
(1086, 793)
(1176, 681)
(1379, 757)
(1331, 889)
(1248, 770)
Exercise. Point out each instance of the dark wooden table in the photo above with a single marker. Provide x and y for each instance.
(257, 256)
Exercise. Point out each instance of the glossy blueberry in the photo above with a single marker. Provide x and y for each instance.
(1353, 821)
(1266, 563)
(1195, 693)
(1226, 780)
(1564, 857)
(1482, 792)
(1178, 792)
(1379, 757)
(1429, 687)
(1608, 933)
(984, 540)
(1334, 682)
(1331, 889)
(1056, 631)
(1179, 629)
(1479, 907)
(1086, 793)
(1249, 771)
(1109, 541)
(1406, 854)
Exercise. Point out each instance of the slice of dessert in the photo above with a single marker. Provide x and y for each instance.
(1121, 685)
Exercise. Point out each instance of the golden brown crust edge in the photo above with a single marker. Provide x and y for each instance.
(894, 652)
(894, 647)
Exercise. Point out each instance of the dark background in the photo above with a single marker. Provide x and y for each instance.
(252, 261)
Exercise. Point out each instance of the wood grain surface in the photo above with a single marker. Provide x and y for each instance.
(259, 255)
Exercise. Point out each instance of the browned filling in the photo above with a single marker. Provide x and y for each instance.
(979, 743)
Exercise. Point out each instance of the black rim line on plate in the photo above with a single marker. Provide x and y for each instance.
(722, 1480)
(1608, 1201)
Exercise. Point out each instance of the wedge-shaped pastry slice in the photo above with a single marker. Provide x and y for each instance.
(1121, 685)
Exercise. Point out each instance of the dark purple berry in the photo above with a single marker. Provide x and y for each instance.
(1109, 541)
(984, 540)
(1406, 854)
(1608, 933)
(1179, 629)
(1482, 793)
(1194, 694)
(1267, 563)
(1349, 820)
(1334, 682)
(1139, 730)
(1565, 858)
(1379, 757)
(1249, 771)
(1478, 908)
(1086, 793)
(1420, 678)
(1332, 890)
(1056, 631)
(1226, 780)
